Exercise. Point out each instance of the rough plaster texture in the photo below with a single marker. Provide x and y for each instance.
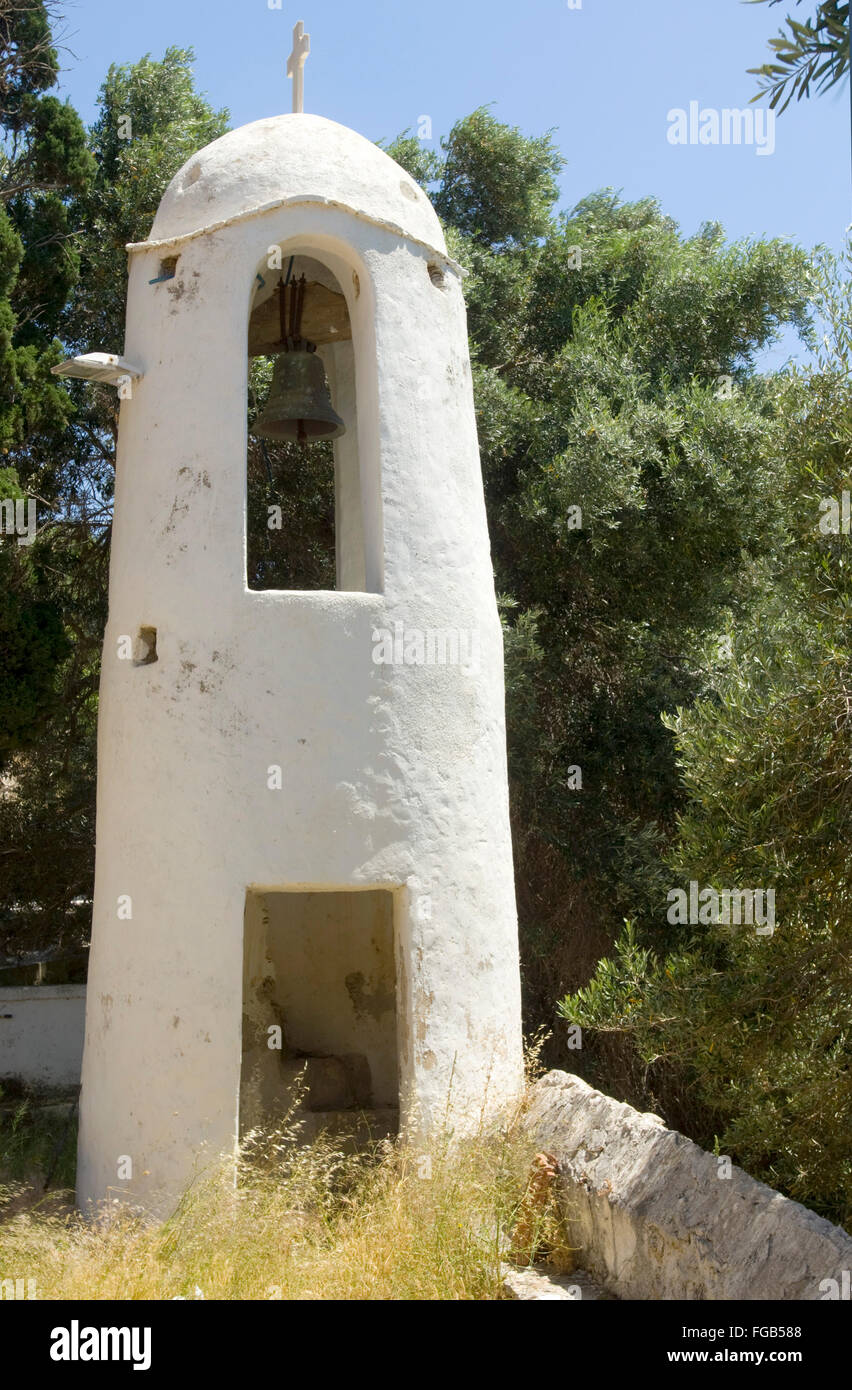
(41, 1034)
(652, 1218)
(295, 156)
(393, 776)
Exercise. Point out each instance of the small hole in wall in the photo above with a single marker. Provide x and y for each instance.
(437, 276)
(145, 647)
(168, 266)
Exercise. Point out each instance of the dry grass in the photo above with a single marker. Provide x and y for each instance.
(301, 1223)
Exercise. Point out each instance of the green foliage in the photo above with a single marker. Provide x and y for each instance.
(53, 153)
(763, 1023)
(44, 161)
(614, 373)
(497, 186)
(151, 122)
(28, 60)
(600, 391)
(37, 1142)
(61, 440)
(33, 641)
(422, 164)
(814, 53)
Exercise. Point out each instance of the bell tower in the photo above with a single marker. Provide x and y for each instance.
(304, 863)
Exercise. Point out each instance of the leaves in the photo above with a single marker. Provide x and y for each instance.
(763, 1025)
(497, 186)
(63, 270)
(811, 54)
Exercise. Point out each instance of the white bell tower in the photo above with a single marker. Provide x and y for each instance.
(303, 849)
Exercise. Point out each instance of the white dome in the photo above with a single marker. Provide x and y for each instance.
(288, 157)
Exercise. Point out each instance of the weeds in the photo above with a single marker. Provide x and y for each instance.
(294, 1222)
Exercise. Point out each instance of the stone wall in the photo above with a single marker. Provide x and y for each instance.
(653, 1217)
(41, 1034)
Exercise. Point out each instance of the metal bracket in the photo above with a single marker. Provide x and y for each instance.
(98, 366)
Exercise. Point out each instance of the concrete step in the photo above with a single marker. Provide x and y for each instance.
(355, 1129)
(329, 1083)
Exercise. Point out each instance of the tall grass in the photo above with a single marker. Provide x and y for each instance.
(37, 1140)
(301, 1222)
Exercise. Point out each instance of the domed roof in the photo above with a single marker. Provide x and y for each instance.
(292, 156)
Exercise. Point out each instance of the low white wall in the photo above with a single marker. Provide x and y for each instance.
(653, 1216)
(41, 1034)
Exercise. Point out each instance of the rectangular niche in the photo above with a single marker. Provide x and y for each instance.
(319, 976)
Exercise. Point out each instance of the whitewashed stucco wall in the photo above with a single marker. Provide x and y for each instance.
(393, 776)
(41, 1034)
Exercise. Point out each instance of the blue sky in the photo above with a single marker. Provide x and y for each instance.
(603, 77)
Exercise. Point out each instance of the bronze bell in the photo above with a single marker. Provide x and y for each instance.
(299, 405)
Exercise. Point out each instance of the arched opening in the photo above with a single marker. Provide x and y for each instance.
(304, 516)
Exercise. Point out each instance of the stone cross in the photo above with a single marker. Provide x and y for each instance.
(296, 65)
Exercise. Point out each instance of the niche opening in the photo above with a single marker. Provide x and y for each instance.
(319, 1011)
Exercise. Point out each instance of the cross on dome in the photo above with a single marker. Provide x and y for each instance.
(296, 64)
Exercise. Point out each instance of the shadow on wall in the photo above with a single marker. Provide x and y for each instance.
(319, 1004)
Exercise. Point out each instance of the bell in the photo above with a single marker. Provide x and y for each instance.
(299, 405)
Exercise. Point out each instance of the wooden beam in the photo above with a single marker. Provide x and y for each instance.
(325, 319)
